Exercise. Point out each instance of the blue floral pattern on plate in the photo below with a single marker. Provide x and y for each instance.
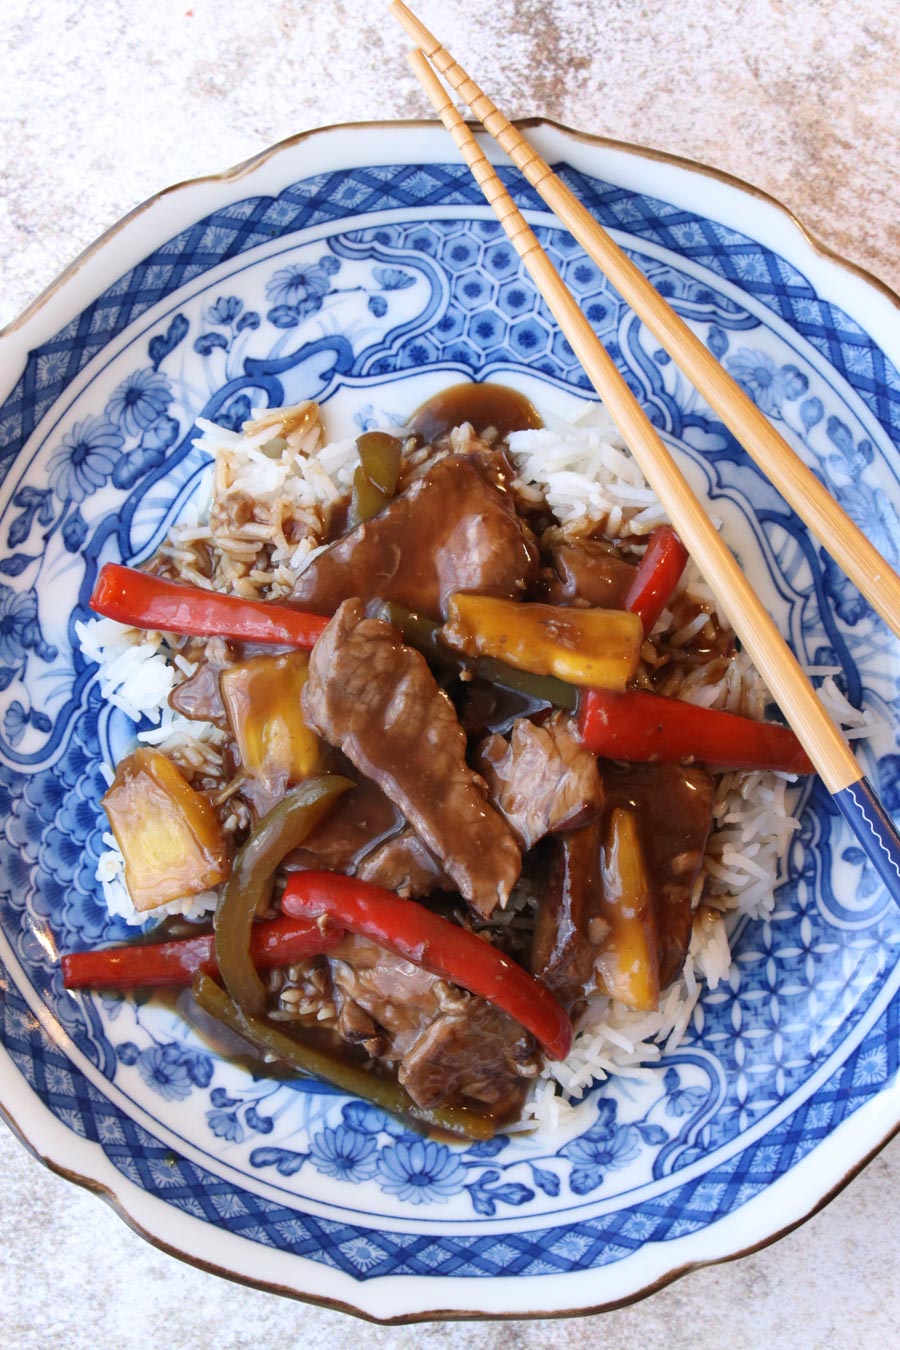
(359, 316)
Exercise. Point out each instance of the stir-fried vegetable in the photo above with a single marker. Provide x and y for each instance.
(143, 601)
(657, 575)
(275, 942)
(594, 647)
(252, 879)
(615, 920)
(168, 834)
(411, 931)
(375, 481)
(355, 1080)
(642, 727)
(425, 635)
(262, 700)
(627, 967)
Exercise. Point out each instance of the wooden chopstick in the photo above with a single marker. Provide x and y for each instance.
(819, 735)
(799, 486)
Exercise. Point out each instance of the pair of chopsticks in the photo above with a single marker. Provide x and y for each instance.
(823, 742)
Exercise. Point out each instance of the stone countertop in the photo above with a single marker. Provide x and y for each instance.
(102, 105)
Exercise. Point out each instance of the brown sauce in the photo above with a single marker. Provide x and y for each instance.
(674, 806)
(361, 820)
(588, 572)
(672, 803)
(482, 405)
(484, 707)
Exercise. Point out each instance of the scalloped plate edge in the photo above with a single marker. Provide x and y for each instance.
(796, 1196)
(81, 1161)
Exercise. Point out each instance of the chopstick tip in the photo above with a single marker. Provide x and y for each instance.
(416, 30)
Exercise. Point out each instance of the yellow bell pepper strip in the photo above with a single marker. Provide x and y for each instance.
(597, 648)
(168, 834)
(149, 965)
(265, 714)
(416, 934)
(641, 728)
(657, 575)
(354, 1079)
(375, 481)
(425, 635)
(627, 966)
(250, 885)
(144, 601)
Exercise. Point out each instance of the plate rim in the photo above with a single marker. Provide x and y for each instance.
(114, 1199)
(246, 166)
(47, 1122)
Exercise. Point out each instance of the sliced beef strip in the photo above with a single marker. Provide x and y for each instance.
(542, 780)
(589, 571)
(358, 824)
(198, 697)
(377, 700)
(400, 998)
(477, 1052)
(366, 836)
(454, 529)
(674, 807)
(566, 936)
(444, 1042)
(404, 864)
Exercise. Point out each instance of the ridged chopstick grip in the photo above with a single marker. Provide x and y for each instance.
(799, 486)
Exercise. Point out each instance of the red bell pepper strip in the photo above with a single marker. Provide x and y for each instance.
(657, 575)
(145, 601)
(645, 727)
(411, 931)
(276, 942)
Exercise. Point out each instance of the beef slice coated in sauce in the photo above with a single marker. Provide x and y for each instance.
(383, 1002)
(590, 572)
(198, 696)
(444, 1042)
(475, 1051)
(377, 701)
(358, 824)
(673, 804)
(366, 836)
(405, 865)
(454, 529)
(542, 780)
(566, 932)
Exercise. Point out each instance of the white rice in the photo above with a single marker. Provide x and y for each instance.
(587, 477)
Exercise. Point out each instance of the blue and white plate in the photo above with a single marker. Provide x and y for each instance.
(358, 266)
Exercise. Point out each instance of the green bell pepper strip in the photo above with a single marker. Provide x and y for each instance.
(424, 634)
(375, 481)
(380, 456)
(249, 887)
(353, 1079)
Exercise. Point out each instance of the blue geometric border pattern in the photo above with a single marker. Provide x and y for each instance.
(244, 225)
(61, 804)
(366, 1254)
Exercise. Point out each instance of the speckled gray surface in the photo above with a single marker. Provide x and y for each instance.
(103, 104)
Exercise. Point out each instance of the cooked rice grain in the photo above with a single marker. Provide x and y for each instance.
(270, 499)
